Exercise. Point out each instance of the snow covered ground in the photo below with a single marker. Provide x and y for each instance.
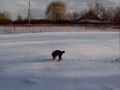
(88, 64)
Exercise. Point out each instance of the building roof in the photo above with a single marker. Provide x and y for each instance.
(90, 16)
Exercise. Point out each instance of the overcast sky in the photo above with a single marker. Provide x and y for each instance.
(38, 6)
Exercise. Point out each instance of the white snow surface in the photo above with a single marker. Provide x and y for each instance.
(88, 64)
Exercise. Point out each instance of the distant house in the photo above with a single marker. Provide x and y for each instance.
(90, 17)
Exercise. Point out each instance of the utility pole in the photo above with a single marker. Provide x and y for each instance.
(29, 14)
(119, 43)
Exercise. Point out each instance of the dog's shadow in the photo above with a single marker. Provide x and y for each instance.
(38, 61)
(35, 60)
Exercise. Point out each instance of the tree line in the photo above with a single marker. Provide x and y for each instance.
(56, 12)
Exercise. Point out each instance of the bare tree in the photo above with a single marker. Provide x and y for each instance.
(117, 15)
(97, 8)
(19, 17)
(56, 11)
(74, 16)
(110, 12)
(83, 12)
(105, 13)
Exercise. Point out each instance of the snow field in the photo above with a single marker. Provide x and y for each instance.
(88, 64)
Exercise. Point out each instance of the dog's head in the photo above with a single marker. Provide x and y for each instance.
(63, 51)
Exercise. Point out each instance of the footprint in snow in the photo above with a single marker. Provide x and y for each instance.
(29, 82)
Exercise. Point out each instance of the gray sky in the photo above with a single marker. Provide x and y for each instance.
(38, 6)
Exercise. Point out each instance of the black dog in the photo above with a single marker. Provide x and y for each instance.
(58, 53)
